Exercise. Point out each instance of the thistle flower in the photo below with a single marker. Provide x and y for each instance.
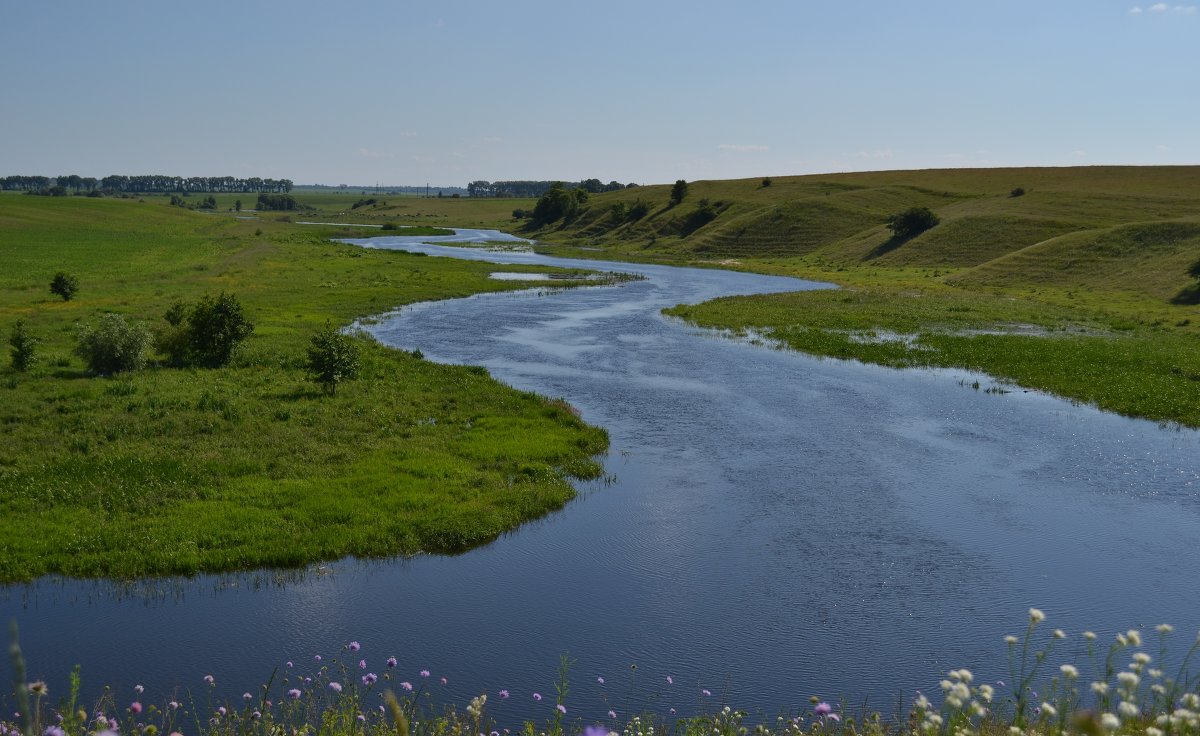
(335, 686)
(355, 646)
(135, 707)
(407, 686)
(561, 708)
(1036, 616)
(822, 709)
(139, 689)
(1164, 628)
(38, 688)
(612, 714)
(503, 693)
(537, 696)
(391, 662)
(247, 697)
(209, 680)
(370, 679)
(294, 694)
(600, 680)
(424, 673)
(1069, 671)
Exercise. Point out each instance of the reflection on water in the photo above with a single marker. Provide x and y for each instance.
(780, 526)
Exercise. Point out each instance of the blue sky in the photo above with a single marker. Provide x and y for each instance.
(447, 92)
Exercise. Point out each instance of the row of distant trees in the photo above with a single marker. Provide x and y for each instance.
(538, 188)
(149, 184)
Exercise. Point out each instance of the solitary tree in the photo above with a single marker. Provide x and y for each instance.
(24, 347)
(113, 345)
(678, 191)
(215, 327)
(332, 358)
(65, 285)
(912, 222)
(766, 182)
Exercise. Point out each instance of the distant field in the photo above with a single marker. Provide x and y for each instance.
(1095, 257)
(185, 470)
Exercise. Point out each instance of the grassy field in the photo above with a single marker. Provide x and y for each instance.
(1077, 286)
(186, 470)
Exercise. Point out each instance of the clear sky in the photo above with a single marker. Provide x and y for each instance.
(450, 91)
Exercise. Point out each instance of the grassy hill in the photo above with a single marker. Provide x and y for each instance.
(1070, 280)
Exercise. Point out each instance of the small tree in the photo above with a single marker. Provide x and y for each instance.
(114, 345)
(64, 285)
(766, 182)
(215, 327)
(1017, 192)
(912, 222)
(237, 206)
(332, 358)
(678, 191)
(24, 347)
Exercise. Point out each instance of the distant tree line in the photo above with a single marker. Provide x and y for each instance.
(148, 184)
(538, 188)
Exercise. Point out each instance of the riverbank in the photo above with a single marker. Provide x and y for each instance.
(178, 471)
(1069, 281)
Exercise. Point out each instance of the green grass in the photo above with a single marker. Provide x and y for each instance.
(1097, 257)
(185, 470)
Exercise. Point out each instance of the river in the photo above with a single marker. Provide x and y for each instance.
(775, 526)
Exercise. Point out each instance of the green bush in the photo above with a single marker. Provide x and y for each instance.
(113, 345)
(332, 358)
(214, 328)
(678, 191)
(24, 347)
(912, 222)
(64, 285)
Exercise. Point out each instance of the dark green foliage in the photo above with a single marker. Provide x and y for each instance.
(283, 202)
(559, 203)
(237, 206)
(678, 191)
(639, 209)
(214, 328)
(390, 226)
(113, 345)
(363, 203)
(912, 222)
(332, 358)
(209, 203)
(1194, 271)
(766, 182)
(24, 347)
(520, 214)
(1017, 192)
(704, 213)
(64, 285)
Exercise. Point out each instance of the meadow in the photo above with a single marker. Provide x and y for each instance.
(183, 470)
(1072, 281)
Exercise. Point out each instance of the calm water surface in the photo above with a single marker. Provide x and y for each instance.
(780, 526)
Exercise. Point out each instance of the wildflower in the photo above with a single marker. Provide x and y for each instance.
(362, 664)
(1141, 658)
(256, 715)
(294, 694)
(1100, 688)
(139, 689)
(537, 696)
(1049, 710)
(1164, 628)
(1060, 634)
(1128, 679)
(1110, 722)
(1089, 635)
(1036, 616)
(672, 711)
(822, 709)
(135, 707)
(335, 686)
(1155, 673)
(706, 693)
(562, 708)
(391, 662)
(600, 680)
(246, 696)
(1069, 671)
(370, 679)
(54, 731)
(361, 718)
(1010, 640)
(1134, 636)
(222, 710)
(209, 679)
(316, 658)
(407, 686)
(612, 714)
(37, 688)
(921, 703)
(173, 705)
(1129, 710)
(424, 673)
(670, 681)
(289, 664)
(503, 693)
(355, 646)
(1152, 731)
(987, 692)
(445, 681)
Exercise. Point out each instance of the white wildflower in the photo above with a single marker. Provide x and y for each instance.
(1134, 636)
(921, 703)
(1010, 640)
(1128, 679)
(946, 685)
(1060, 634)
(1110, 722)
(1155, 673)
(1141, 658)
(1128, 709)
(986, 692)
(1049, 710)
(1036, 616)
(1100, 688)
(1122, 640)
(1152, 731)
(1191, 700)
(1069, 671)
(1164, 628)
(1089, 635)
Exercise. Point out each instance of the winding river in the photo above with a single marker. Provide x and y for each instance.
(779, 526)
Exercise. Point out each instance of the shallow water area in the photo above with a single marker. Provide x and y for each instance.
(778, 526)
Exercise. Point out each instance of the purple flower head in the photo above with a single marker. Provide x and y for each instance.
(670, 681)
(209, 679)
(247, 697)
(391, 662)
(355, 646)
(562, 708)
(504, 693)
(361, 718)
(294, 694)
(672, 711)
(601, 681)
(822, 709)
(335, 686)
(612, 714)
(424, 673)
(445, 681)
(834, 717)
(316, 658)
(362, 664)
(222, 710)
(135, 707)
(707, 693)
(370, 678)
(54, 731)
(289, 664)
(407, 686)
(256, 715)
(139, 689)
(595, 731)
(173, 705)
(308, 681)
(113, 725)
(537, 696)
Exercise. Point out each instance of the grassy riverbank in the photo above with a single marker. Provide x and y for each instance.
(168, 470)
(1071, 281)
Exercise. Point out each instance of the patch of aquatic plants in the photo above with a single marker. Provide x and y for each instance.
(1124, 688)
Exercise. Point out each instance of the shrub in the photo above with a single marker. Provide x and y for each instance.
(1017, 192)
(113, 345)
(678, 191)
(704, 213)
(332, 358)
(214, 328)
(557, 203)
(637, 210)
(912, 222)
(276, 202)
(1194, 270)
(390, 226)
(24, 347)
(766, 182)
(64, 285)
